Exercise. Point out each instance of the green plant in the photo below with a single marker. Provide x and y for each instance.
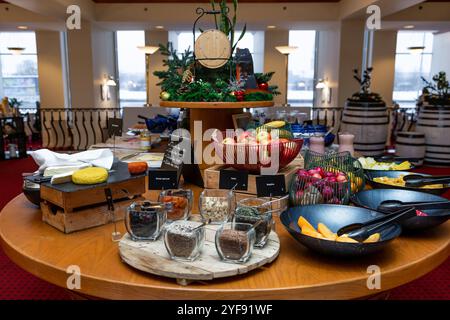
(363, 80)
(439, 91)
(14, 103)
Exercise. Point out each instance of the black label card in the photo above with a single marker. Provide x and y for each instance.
(114, 127)
(270, 186)
(229, 178)
(162, 179)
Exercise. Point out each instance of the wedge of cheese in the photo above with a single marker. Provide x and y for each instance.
(51, 171)
(62, 178)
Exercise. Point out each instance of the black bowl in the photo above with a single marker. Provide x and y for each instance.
(371, 199)
(394, 174)
(32, 191)
(336, 217)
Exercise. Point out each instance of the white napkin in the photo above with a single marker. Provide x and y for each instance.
(45, 158)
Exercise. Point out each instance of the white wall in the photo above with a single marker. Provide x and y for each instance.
(328, 64)
(51, 81)
(103, 63)
(154, 38)
(441, 54)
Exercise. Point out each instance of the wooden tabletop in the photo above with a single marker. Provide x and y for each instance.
(296, 274)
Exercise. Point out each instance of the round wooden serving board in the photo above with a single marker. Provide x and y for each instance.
(212, 49)
(152, 257)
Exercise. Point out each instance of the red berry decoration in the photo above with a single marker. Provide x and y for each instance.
(239, 95)
(263, 86)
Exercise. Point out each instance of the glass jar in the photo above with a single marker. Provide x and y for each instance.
(144, 220)
(234, 242)
(146, 140)
(252, 211)
(181, 201)
(184, 240)
(216, 205)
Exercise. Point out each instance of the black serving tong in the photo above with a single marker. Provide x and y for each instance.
(361, 231)
(416, 180)
(395, 205)
(391, 158)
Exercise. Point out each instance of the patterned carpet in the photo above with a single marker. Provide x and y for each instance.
(18, 284)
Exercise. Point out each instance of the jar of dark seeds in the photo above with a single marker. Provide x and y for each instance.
(216, 205)
(184, 240)
(234, 242)
(254, 210)
(144, 220)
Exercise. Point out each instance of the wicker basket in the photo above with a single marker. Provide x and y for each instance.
(343, 161)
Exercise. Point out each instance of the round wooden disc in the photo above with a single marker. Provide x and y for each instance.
(152, 257)
(212, 49)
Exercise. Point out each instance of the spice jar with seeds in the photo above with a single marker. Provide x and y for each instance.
(144, 220)
(234, 242)
(181, 201)
(184, 240)
(254, 210)
(216, 205)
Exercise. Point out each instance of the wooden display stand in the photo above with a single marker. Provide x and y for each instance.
(69, 207)
(212, 177)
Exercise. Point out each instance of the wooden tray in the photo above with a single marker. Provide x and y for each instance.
(152, 257)
(216, 105)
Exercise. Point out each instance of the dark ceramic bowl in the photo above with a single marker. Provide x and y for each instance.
(32, 191)
(371, 199)
(336, 217)
(394, 174)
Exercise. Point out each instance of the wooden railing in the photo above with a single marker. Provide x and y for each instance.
(75, 129)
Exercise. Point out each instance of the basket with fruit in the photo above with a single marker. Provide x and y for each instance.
(320, 185)
(253, 150)
(342, 161)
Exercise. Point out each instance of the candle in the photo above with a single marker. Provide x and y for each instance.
(346, 142)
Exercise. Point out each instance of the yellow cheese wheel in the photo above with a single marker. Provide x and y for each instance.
(91, 175)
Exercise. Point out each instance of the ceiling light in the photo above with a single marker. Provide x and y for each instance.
(16, 50)
(22, 27)
(159, 27)
(409, 26)
(416, 49)
(148, 49)
(271, 27)
(286, 49)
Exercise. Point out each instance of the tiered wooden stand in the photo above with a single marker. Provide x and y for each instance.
(217, 115)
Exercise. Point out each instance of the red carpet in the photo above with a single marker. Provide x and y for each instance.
(18, 284)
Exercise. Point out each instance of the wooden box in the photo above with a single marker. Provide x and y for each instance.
(69, 207)
(212, 176)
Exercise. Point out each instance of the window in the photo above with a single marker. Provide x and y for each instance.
(19, 72)
(410, 67)
(301, 68)
(252, 40)
(131, 67)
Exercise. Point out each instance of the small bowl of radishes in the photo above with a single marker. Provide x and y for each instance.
(320, 185)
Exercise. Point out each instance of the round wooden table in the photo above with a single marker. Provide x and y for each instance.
(296, 274)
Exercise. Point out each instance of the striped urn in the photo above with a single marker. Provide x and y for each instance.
(369, 122)
(410, 145)
(434, 122)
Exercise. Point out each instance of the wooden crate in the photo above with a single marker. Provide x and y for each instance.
(212, 176)
(69, 207)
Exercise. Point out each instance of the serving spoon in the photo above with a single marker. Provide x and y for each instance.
(361, 231)
(416, 180)
(391, 205)
(391, 158)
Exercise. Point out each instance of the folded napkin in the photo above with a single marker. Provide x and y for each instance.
(45, 158)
